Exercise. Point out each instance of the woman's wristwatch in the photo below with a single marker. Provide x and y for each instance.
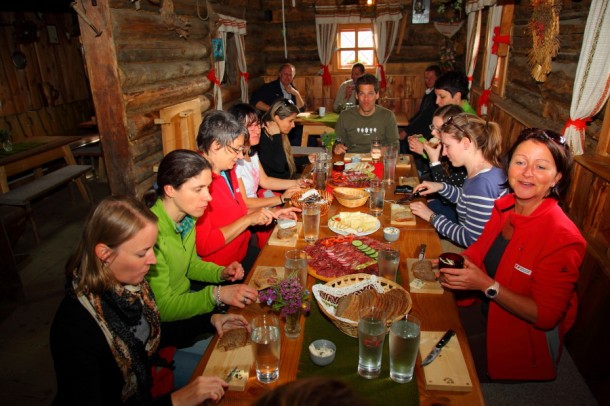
(492, 291)
(432, 217)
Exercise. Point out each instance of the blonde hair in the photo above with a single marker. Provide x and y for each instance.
(485, 135)
(283, 108)
(115, 220)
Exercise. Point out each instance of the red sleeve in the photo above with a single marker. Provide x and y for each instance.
(208, 239)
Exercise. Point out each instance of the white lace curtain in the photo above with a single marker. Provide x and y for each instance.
(385, 29)
(491, 61)
(592, 82)
(238, 28)
(473, 39)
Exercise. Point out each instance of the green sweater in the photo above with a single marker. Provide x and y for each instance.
(178, 264)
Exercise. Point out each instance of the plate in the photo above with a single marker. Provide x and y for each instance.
(359, 166)
(313, 273)
(352, 231)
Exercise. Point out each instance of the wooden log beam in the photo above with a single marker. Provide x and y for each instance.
(128, 25)
(139, 74)
(154, 50)
(156, 97)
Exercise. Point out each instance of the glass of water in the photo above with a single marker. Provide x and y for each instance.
(265, 337)
(404, 346)
(311, 222)
(377, 196)
(295, 265)
(375, 149)
(371, 335)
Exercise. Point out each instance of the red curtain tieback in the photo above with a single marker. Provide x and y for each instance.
(499, 39)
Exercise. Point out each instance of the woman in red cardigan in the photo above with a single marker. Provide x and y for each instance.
(525, 265)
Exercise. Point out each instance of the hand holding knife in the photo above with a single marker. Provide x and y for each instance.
(437, 348)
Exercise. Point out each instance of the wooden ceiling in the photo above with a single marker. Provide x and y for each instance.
(43, 6)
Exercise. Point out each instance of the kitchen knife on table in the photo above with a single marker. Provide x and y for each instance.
(437, 348)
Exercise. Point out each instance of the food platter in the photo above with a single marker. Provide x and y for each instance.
(355, 175)
(356, 223)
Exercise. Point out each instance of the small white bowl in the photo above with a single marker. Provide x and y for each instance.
(391, 234)
(322, 352)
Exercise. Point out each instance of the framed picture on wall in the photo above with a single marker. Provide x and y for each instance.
(421, 11)
(52, 31)
(218, 49)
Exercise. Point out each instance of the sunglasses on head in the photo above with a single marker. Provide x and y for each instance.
(451, 122)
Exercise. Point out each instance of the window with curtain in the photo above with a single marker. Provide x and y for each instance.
(499, 79)
(355, 44)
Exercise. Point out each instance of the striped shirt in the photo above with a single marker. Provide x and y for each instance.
(475, 201)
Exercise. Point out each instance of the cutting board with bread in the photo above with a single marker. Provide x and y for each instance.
(401, 215)
(232, 359)
(448, 371)
(423, 284)
(265, 276)
(285, 237)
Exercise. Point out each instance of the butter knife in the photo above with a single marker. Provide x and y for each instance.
(229, 376)
(437, 348)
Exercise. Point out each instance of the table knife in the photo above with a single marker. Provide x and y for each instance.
(437, 348)
(229, 376)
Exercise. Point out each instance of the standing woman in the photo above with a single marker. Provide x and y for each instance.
(182, 196)
(107, 327)
(274, 152)
(471, 142)
(525, 266)
(222, 231)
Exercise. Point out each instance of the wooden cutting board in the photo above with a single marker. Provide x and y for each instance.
(364, 157)
(428, 286)
(404, 161)
(407, 218)
(448, 371)
(408, 180)
(222, 362)
(290, 242)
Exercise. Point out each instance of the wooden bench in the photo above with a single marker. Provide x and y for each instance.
(24, 195)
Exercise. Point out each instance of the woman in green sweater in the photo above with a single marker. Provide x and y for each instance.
(180, 196)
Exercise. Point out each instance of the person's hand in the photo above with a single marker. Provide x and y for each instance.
(339, 149)
(232, 272)
(271, 128)
(349, 89)
(312, 158)
(421, 209)
(416, 145)
(202, 388)
(427, 188)
(260, 217)
(433, 151)
(225, 322)
(471, 277)
(290, 191)
(290, 89)
(304, 182)
(286, 213)
(238, 295)
(402, 134)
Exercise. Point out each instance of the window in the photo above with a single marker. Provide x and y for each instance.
(355, 44)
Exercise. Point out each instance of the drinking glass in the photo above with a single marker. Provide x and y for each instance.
(311, 222)
(389, 163)
(371, 335)
(388, 261)
(377, 197)
(296, 265)
(266, 347)
(404, 346)
(375, 149)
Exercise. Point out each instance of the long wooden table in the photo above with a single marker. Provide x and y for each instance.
(51, 147)
(437, 312)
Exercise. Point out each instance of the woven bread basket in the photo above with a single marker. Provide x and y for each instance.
(326, 196)
(329, 294)
(350, 197)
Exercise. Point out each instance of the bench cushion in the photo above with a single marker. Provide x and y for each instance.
(23, 195)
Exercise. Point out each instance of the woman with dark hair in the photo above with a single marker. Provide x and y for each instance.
(471, 142)
(524, 266)
(317, 391)
(274, 152)
(107, 327)
(180, 197)
(223, 234)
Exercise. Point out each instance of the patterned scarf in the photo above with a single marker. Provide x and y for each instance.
(117, 312)
(184, 226)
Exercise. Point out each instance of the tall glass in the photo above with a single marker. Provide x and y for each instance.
(387, 263)
(295, 265)
(375, 149)
(389, 164)
(311, 222)
(404, 346)
(377, 197)
(266, 347)
(371, 335)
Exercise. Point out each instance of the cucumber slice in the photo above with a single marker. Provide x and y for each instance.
(369, 251)
(357, 243)
(363, 247)
(374, 255)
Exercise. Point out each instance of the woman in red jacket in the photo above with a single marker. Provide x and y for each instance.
(525, 264)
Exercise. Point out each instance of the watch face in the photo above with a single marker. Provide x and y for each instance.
(491, 293)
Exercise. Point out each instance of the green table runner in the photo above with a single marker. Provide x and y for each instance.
(380, 391)
(330, 119)
(19, 147)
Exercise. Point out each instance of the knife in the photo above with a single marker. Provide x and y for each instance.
(437, 348)
(229, 376)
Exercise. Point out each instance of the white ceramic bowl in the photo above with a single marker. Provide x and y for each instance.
(391, 234)
(322, 352)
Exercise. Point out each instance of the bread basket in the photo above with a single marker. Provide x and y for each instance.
(329, 294)
(326, 196)
(350, 197)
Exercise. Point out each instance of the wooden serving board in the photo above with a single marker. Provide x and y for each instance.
(290, 242)
(221, 362)
(404, 213)
(448, 371)
(428, 286)
(404, 161)
(408, 180)
(364, 157)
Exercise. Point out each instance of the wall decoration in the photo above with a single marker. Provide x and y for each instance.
(544, 27)
(219, 52)
(421, 12)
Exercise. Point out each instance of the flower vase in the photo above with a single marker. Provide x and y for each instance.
(292, 328)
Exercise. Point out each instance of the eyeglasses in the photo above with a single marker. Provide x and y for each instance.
(554, 137)
(432, 127)
(451, 122)
(237, 151)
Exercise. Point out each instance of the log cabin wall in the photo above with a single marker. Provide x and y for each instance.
(50, 94)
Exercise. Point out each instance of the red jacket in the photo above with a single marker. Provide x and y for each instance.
(224, 209)
(541, 261)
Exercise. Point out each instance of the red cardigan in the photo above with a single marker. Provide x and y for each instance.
(224, 209)
(541, 261)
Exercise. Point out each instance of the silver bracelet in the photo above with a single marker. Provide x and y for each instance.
(432, 217)
(218, 301)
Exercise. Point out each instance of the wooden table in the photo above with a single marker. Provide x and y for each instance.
(52, 147)
(436, 312)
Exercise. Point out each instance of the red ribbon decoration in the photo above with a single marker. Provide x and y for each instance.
(212, 77)
(483, 100)
(326, 79)
(498, 39)
(580, 124)
(470, 78)
(382, 83)
(245, 75)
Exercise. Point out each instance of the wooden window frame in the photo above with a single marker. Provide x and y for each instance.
(498, 85)
(337, 59)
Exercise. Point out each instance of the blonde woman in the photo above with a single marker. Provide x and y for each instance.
(274, 152)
